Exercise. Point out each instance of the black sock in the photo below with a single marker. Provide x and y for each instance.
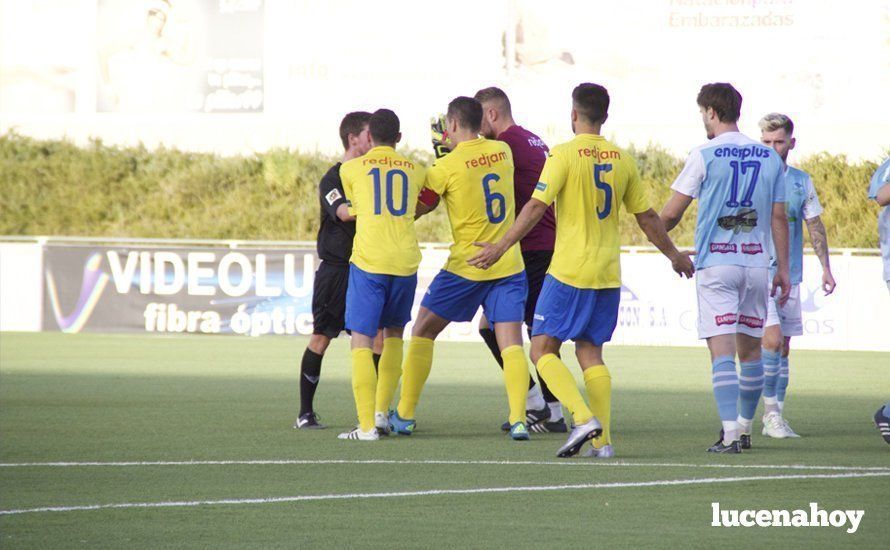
(309, 374)
(376, 360)
(488, 335)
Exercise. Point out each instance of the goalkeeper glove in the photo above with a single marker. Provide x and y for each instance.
(439, 133)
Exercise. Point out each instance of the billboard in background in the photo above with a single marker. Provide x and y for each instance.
(175, 290)
(265, 291)
(178, 56)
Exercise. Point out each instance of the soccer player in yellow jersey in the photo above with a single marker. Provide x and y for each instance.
(381, 190)
(475, 180)
(589, 179)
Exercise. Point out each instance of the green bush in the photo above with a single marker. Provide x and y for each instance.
(57, 188)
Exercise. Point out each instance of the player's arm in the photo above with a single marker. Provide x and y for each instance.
(490, 253)
(334, 200)
(654, 228)
(343, 213)
(883, 195)
(819, 240)
(427, 201)
(674, 209)
(686, 188)
(779, 223)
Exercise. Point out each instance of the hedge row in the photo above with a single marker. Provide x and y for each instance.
(52, 187)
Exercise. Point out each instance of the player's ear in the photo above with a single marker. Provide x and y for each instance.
(574, 115)
(399, 137)
(793, 142)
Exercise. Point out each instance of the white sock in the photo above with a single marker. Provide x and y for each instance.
(781, 406)
(771, 405)
(555, 411)
(535, 399)
(745, 425)
(730, 431)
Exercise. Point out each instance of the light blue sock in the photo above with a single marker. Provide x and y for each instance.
(782, 383)
(750, 387)
(771, 360)
(726, 387)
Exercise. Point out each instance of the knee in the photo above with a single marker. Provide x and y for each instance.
(423, 328)
(318, 343)
(772, 343)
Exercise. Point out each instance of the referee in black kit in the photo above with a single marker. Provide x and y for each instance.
(334, 249)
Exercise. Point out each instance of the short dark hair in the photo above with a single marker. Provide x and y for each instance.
(723, 98)
(591, 101)
(353, 124)
(467, 111)
(384, 127)
(494, 93)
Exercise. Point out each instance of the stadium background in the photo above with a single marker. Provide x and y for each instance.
(211, 131)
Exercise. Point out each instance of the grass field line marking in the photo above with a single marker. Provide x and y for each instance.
(434, 492)
(445, 462)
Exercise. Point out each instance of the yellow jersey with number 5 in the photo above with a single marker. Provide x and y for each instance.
(475, 181)
(589, 178)
(381, 190)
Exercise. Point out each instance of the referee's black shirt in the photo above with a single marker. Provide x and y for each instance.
(334, 236)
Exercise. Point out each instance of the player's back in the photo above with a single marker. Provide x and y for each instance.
(476, 182)
(589, 178)
(382, 188)
(742, 179)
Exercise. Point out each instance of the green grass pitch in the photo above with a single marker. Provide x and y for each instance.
(96, 398)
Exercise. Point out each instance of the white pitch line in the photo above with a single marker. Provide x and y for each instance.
(433, 492)
(308, 462)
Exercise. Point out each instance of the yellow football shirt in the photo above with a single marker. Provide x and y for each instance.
(475, 181)
(381, 190)
(589, 178)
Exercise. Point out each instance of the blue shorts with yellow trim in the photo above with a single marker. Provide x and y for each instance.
(568, 313)
(375, 301)
(457, 299)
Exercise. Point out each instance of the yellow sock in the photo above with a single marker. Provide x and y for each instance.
(598, 382)
(418, 362)
(516, 379)
(562, 385)
(364, 383)
(389, 370)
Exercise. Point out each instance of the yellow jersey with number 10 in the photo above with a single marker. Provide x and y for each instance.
(381, 190)
(589, 178)
(475, 181)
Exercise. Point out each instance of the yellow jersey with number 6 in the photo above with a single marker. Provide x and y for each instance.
(589, 178)
(381, 190)
(475, 181)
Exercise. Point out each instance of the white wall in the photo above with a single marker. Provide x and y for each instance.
(21, 287)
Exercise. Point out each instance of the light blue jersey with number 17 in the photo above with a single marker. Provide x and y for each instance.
(736, 181)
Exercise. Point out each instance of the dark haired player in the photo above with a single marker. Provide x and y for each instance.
(589, 179)
(334, 245)
(475, 180)
(740, 189)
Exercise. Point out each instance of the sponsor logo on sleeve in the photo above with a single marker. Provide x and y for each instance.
(333, 196)
(541, 186)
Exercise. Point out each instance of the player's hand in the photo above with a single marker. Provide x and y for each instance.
(828, 284)
(439, 134)
(487, 257)
(781, 281)
(683, 265)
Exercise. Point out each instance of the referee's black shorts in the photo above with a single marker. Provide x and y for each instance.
(329, 299)
(536, 264)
